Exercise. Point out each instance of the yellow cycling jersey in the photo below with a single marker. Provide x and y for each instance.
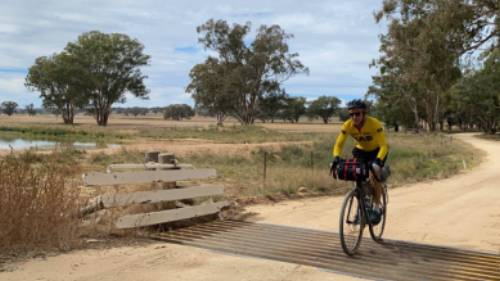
(370, 137)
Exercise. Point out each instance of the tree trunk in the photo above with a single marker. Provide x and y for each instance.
(102, 116)
(68, 114)
(220, 119)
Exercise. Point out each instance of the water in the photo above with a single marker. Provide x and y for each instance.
(19, 144)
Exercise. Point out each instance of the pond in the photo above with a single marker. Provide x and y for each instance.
(20, 143)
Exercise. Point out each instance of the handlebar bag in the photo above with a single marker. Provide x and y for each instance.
(352, 170)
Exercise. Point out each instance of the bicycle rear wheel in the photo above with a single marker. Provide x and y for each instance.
(352, 223)
(377, 230)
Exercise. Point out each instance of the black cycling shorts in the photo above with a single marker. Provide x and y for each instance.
(366, 156)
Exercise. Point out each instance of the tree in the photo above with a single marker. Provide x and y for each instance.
(136, 111)
(109, 66)
(293, 108)
(178, 112)
(241, 76)
(56, 79)
(271, 106)
(208, 89)
(421, 52)
(476, 97)
(8, 107)
(324, 107)
(30, 109)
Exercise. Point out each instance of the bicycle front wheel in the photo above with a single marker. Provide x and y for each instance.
(352, 223)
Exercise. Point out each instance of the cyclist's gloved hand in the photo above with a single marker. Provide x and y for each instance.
(333, 166)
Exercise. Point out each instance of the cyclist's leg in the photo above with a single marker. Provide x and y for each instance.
(369, 156)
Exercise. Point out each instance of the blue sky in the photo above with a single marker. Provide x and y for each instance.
(336, 39)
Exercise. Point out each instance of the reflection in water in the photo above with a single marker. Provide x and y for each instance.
(17, 144)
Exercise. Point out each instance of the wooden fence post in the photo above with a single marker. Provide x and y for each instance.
(265, 166)
(151, 156)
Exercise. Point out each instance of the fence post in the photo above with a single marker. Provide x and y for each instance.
(265, 166)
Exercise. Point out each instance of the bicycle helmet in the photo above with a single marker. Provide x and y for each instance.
(356, 104)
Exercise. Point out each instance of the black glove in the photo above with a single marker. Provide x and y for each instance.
(333, 166)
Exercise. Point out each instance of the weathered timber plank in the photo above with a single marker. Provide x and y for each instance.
(149, 165)
(154, 196)
(138, 220)
(95, 178)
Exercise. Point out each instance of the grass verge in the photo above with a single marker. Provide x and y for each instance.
(303, 170)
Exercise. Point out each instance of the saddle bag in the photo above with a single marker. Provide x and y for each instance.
(352, 170)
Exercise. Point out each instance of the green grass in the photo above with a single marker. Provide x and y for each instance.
(58, 134)
(233, 134)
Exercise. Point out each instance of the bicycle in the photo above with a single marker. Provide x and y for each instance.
(357, 206)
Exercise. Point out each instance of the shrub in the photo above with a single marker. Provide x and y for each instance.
(37, 207)
(178, 112)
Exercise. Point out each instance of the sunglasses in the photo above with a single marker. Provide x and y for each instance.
(355, 114)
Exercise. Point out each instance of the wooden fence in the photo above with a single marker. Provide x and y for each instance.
(165, 171)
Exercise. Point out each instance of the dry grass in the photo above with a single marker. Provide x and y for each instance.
(37, 205)
(302, 169)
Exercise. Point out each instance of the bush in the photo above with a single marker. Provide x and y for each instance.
(37, 209)
(178, 112)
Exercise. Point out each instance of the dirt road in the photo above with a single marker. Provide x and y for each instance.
(462, 211)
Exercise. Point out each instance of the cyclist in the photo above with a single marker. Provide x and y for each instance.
(371, 145)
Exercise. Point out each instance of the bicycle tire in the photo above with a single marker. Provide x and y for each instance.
(350, 243)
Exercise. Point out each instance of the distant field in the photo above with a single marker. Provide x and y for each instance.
(121, 121)
(298, 154)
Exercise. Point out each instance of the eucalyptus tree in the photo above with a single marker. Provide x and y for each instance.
(178, 112)
(30, 109)
(8, 107)
(271, 106)
(293, 109)
(241, 75)
(476, 97)
(421, 52)
(109, 67)
(56, 78)
(323, 107)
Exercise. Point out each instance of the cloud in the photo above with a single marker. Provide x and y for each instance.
(335, 39)
(12, 89)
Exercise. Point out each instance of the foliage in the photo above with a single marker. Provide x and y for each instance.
(293, 108)
(135, 111)
(56, 79)
(30, 109)
(476, 97)
(271, 106)
(178, 112)
(421, 52)
(324, 107)
(241, 76)
(109, 66)
(8, 107)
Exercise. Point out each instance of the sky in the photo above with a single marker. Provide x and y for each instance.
(335, 39)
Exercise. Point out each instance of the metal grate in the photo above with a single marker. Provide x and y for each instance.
(391, 260)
